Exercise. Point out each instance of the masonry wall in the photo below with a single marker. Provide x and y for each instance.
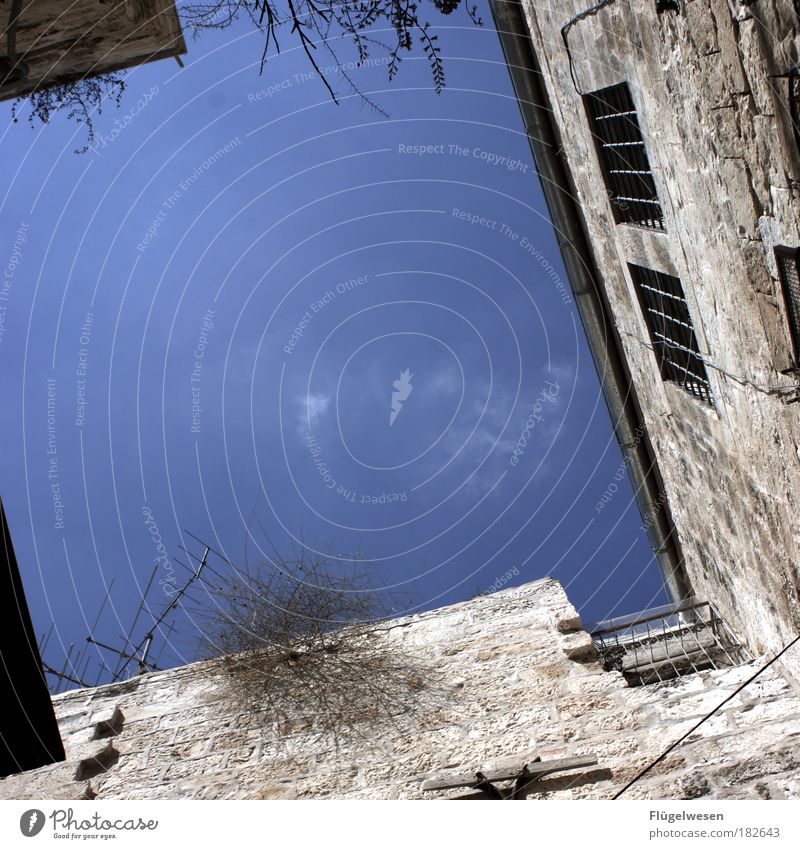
(711, 88)
(515, 678)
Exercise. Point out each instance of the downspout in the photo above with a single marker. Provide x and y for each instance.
(593, 307)
(13, 68)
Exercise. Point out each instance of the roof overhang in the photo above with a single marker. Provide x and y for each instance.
(59, 42)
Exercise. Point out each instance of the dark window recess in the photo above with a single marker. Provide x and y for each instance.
(789, 271)
(671, 330)
(794, 101)
(623, 158)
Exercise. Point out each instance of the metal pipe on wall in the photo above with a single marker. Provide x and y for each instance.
(592, 304)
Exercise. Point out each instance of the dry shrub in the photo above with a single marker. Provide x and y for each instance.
(307, 641)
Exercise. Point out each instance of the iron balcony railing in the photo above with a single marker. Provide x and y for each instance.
(667, 642)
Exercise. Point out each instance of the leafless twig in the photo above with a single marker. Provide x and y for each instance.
(305, 640)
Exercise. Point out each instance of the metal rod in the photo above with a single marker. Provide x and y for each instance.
(148, 641)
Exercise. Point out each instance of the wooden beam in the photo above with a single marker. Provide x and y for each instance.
(532, 770)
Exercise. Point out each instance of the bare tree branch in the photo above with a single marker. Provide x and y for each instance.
(333, 20)
(307, 639)
(79, 99)
(309, 22)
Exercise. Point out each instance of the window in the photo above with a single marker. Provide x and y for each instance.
(671, 330)
(789, 270)
(623, 158)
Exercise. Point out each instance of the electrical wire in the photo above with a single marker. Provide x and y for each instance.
(705, 718)
(581, 16)
(780, 390)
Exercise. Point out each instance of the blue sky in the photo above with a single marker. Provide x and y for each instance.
(207, 315)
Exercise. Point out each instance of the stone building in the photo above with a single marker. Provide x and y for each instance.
(666, 136)
(513, 677)
(664, 133)
(48, 42)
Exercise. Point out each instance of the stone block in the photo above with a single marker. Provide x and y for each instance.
(578, 646)
(761, 713)
(566, 619)
(702, 28)
(595, 684)
(757, 766)
(195, 766)
(578, 706)
(282, 790)
(690, 785)
(685, 708)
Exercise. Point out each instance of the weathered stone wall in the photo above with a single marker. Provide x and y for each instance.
(711, 90)
(517, 677)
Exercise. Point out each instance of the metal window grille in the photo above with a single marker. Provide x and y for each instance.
(667, 642)
(671, 331)
(623, 158)
(789, 270)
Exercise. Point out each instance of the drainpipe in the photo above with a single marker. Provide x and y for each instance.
(590, 298)
(13, 68)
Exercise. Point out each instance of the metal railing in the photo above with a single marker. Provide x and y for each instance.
(667, 642)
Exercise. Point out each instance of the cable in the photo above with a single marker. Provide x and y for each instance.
(787, 388)
(706, 717)
(586, 13)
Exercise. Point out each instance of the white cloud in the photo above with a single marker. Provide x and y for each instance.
(486, 451)
(446, 381)
(312, 408)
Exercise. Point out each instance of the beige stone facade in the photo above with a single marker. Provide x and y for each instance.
(711, 86)
(515, 678)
